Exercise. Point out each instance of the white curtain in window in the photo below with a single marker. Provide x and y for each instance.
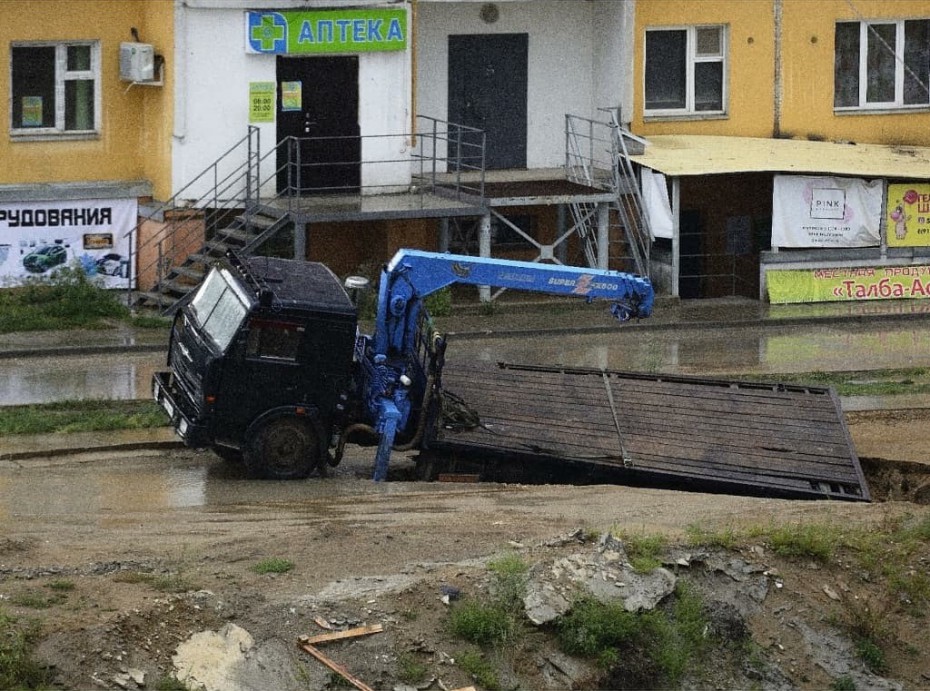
(655, 199)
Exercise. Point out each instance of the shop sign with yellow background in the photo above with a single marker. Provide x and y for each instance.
(908, 215)
(848, 284)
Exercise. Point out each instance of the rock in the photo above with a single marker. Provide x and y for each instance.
(604, 574)
(831, 593)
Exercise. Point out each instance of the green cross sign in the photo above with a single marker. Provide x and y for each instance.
(268, 32)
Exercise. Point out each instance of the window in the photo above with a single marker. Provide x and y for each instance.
(55, 88)
(684, 70)
(274, 340)
(882, 64)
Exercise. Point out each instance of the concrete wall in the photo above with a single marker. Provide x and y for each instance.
(212, 107)
(561, 63)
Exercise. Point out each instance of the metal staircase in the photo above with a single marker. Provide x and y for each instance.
(597, 155)
(196, 231)
(231, 205)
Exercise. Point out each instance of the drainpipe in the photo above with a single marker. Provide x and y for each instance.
(777, 90)
(180, 70)
(412, 31)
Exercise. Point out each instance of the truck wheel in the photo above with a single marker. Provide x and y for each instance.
(283, 449)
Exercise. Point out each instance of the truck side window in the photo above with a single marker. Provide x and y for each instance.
(273, 340)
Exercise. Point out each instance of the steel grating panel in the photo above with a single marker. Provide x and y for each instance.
(687, 432)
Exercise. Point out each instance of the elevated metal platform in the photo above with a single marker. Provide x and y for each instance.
(555, 424)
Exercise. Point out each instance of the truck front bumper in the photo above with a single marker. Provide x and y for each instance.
(193, 432)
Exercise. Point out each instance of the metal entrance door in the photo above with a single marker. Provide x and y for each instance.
(318, 107)
(487, 90)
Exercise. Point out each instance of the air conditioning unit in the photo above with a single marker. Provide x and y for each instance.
(136, 62)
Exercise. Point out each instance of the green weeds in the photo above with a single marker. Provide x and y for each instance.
(273, 565)
(79, 416)
(639, 649)
(497, 618)
(165, 583)
(18, 668)
(480, 668)
(67, 300)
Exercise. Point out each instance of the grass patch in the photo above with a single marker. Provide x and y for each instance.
(67, 300)
(80, 416)
(639, 650)
(273, 565)
(18, 668)
(61, 586)
(643, 551)
(886, 382)
(37, 600)
(480, 669)
(410, 670)
(817, 542)
(497, 618)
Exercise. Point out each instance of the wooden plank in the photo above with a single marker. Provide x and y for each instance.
(341, 635)
(783, 436)
(336, 667)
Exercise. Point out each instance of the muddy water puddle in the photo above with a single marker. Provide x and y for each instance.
(115, 489)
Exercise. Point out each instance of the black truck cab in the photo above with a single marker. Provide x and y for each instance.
(259, 360)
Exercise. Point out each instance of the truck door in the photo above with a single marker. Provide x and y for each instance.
(263, 374)
(318, 107)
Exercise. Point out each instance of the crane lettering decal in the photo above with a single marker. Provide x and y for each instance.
(461, 270)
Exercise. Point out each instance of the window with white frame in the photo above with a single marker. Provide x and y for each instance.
(685, 70)
(55, 88)
(882, 64)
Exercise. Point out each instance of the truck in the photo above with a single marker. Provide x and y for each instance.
(267, 363)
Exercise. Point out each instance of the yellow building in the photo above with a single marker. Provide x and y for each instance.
(741, 101)
(87, 131)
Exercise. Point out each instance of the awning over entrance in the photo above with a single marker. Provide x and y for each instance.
(686, 155)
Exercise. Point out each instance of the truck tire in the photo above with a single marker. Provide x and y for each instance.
(283, 449)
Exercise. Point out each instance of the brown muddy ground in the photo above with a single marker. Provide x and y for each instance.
(366, 553)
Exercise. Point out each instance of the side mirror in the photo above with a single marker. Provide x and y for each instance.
(355, 285)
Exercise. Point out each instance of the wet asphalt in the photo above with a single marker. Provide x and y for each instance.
(694, 337)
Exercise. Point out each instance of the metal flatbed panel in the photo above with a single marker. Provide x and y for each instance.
(738, 437)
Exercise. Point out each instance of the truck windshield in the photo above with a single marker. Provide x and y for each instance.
(219, 307)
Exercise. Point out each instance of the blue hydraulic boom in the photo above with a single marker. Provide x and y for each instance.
(401, 362)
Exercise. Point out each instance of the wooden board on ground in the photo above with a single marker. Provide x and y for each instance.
(628, 428)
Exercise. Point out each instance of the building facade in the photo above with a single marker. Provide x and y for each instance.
(82, 143)
(789, 135)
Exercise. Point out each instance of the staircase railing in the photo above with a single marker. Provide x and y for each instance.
(597, 155)
(229, 183)
(441, 158)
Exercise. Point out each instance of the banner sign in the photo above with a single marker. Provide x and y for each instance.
(361, 30)
(848, 284)
(826, 212)
(908, 219)
(39, 238)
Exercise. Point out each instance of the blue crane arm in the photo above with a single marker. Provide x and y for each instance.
(412, 275)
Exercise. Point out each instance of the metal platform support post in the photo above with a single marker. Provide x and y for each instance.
(603, 235)
(444, 235)
(484, 250)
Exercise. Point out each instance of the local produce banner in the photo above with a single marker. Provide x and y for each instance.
(826, 212)
(848, 284)
(39, 238)
(909, 215)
